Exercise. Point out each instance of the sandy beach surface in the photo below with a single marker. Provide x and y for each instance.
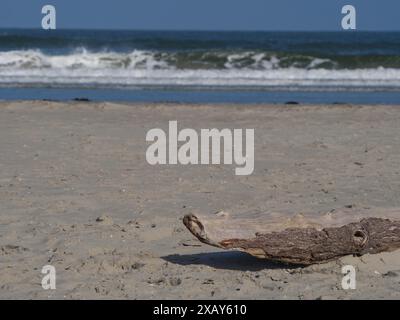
(77, 193)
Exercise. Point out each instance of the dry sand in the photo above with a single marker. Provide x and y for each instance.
(64, 165)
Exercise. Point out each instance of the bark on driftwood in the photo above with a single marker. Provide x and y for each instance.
(299, 240)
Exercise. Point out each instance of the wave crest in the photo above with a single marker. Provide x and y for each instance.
(193, 68)
(139, 59)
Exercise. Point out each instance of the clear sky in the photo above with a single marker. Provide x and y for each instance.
(202, 14)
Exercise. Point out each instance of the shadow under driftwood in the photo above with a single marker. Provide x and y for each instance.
(229, 260)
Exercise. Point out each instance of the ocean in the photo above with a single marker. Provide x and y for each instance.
(188, 66)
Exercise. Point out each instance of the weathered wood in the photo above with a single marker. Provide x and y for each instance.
(298, 240)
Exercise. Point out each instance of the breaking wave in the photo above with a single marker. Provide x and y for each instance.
(192, 68)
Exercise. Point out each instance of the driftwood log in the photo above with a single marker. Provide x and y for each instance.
(299, 240)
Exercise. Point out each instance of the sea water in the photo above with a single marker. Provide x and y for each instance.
(183, 66)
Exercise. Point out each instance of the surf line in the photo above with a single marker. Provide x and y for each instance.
(187, 146)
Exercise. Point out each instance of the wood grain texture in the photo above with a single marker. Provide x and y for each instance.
(306, 244)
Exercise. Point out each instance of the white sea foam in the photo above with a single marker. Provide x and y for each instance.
(139, 68)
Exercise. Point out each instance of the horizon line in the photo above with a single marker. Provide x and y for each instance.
(197, 30)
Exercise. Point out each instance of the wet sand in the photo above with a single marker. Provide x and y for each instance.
(77, 193)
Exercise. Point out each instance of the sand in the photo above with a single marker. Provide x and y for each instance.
(77, 193)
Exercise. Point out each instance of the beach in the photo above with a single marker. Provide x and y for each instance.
(77, 193)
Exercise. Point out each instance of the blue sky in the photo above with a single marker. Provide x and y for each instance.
(315, 15)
